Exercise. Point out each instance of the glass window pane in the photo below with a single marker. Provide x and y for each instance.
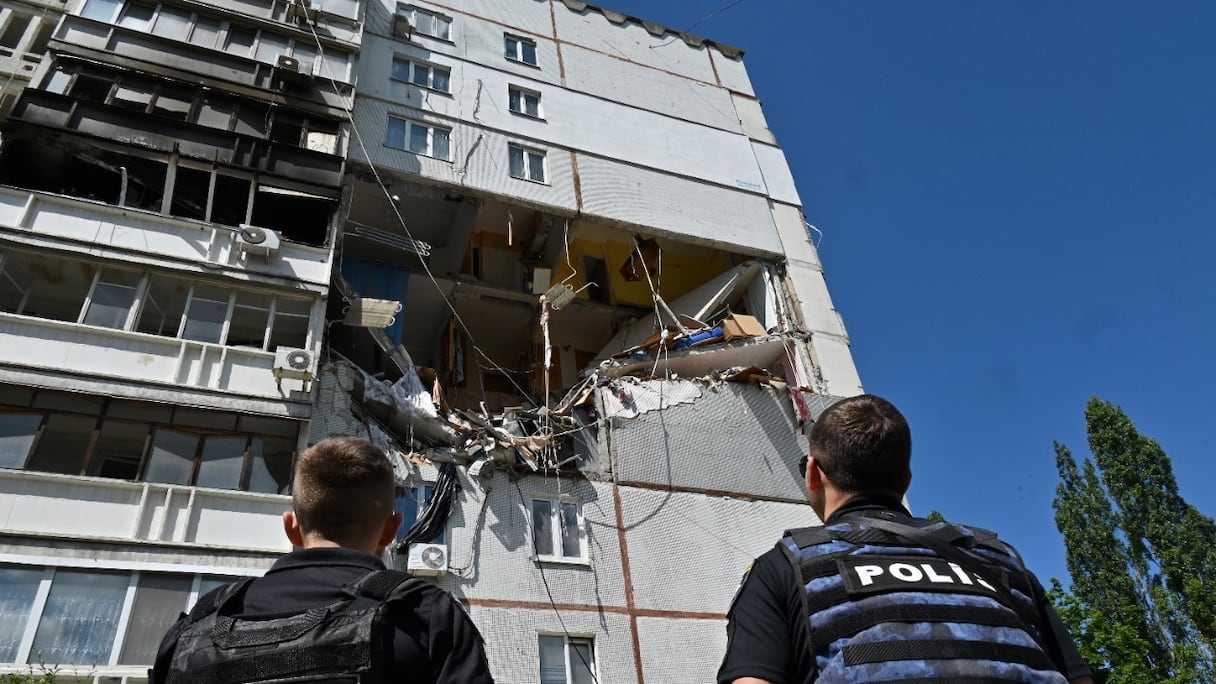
(582, 662)
(16, 435)
(205, 316)
(270, 46)
(206, 31)
(159, 600)
(542, 526)
(161, 313)
(110, 305)
(570, 540)
(270, 465)
(18, 587)
(552, 659)
(137, 16)
(510, 48)
(80, 618)
(418, 136)
(172, 457)
(536, 167)
(173, 22)
(441, 79)
(529, 51)
(335, 65)
(119, 450)
(101, 10)
(396, 133)
(421, 75)
(401, 70)
(221, 464)
(513, 100)
(407, 505)
(441, 144)
(517, 162)
(63, 444)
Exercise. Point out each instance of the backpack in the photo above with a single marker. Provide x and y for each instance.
(346, 642)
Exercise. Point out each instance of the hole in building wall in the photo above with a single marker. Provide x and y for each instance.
(300, 217)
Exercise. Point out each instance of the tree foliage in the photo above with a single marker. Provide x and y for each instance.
(1139, 557)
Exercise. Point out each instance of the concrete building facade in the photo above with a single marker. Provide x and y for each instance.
(549, 256)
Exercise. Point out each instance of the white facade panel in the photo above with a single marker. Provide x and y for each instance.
(796, 239)
(751, 117)
(776, 173)
(681, 650)
(513, 645)
(836, 363)
(617, 80)
(631, 42)
(678, 206)
(496, 552)
(479, 157)
(817, 310)
(96, 508)
(732, 74)
(705, 541)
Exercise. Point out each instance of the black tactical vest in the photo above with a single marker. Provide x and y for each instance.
(347, 642)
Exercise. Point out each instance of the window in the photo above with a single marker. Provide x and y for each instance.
(526, 102)
(420, 74)
(557, 530)
(92, 618)
(420, 138)
(567, 660)
(109, 304)
(527, 164)
(519, 49)
(427, 23)
(101, 10)
(410, 504)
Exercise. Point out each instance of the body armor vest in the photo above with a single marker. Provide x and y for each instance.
(883, 609)
(347, 642)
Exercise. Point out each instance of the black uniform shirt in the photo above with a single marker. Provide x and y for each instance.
(434, 640)
(766, 637)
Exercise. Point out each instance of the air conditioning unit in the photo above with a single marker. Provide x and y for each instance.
(290, 362)
(255, 240)
(427, 559)
(403, 27)
(290, 70)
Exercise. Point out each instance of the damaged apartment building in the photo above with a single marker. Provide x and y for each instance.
(547, 255)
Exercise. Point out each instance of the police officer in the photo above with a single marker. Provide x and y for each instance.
(878, 595)
(329, 609)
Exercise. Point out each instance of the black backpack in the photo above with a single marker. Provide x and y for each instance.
(346, 642)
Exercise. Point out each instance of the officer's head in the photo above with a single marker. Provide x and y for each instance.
(343, 495)
(861, 445)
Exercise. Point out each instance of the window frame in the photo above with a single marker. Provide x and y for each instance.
(411, 12)
(519, 94)
(412, 494)
(513, 50)
(413, 65)
(569, 653)
(528, 153)
(408, 132)
(555, 527)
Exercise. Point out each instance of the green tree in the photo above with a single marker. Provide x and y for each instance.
(1138, 555)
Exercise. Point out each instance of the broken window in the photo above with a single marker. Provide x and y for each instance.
(119, 451)
(91, 88)
(250, 320)
(62, 444)
(173, 102)
(17, 431)
(15, 282)
(191, 188)
(134, 95)
(163, 306)
(215, 111)
(230, 204)
(291, 319)
(410, 503)
(172, 457)
(57, 81)
(322, 137)
(145, 181)
(251, 118)
(110, 303)
(56, 288)
(286, 128)
(299, 216)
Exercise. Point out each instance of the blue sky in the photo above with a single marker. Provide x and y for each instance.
(1018, 203)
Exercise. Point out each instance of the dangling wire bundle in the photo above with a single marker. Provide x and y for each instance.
(438, 509)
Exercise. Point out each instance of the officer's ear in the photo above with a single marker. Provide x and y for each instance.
(389, 532)
(291, 525)
(814, 475)
(907, 482)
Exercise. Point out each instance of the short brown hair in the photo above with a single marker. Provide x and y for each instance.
(863, 444)
(343, 489)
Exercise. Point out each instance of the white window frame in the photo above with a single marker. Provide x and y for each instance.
(411, 13)
(412, 66)
(513, 49)
(571, 656)
(522, 96)
(528, 154)
(38, 606)
(430, 138)
(555, 524)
